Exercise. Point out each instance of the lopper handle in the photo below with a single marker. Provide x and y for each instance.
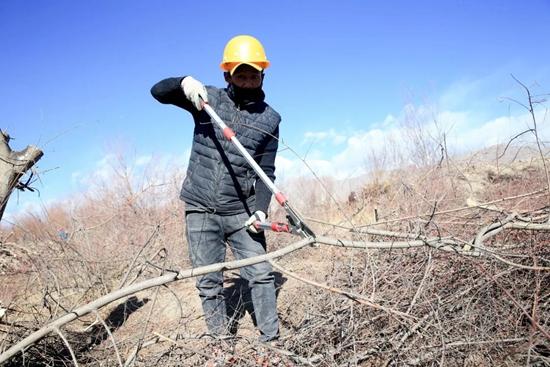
(272, 226)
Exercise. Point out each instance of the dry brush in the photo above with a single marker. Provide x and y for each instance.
(442, 263)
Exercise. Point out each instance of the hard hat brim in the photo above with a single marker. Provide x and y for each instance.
(255, 66)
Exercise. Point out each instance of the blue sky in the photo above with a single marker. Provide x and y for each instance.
(76, 75)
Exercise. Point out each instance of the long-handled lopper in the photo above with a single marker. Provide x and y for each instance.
(295, 224)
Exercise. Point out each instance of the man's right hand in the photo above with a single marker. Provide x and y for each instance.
(194, 91)
(258, 216)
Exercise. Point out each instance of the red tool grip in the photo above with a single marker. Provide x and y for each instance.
(273, 226)
(279, 227)
(281, 199)
(228, 133)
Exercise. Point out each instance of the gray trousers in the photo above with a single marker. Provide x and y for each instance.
(207, 237)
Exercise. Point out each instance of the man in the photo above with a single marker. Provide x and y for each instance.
(223, 195)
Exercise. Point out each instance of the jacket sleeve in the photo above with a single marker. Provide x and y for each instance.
(168, 91)
(267, 163)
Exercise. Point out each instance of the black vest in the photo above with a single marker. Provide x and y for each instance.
(218, 178)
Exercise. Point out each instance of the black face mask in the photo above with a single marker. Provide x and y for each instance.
(244, 96)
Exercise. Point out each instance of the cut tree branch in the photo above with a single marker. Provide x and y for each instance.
(138, 287)
(13, 165)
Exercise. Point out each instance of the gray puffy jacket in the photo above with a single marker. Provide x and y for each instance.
(218, 178)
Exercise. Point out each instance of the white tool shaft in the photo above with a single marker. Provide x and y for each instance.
(230, 135)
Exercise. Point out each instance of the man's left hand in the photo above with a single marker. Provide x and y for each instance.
(257, 216)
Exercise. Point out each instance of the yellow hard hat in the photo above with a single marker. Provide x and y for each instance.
(241, 50)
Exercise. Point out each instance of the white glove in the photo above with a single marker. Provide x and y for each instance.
(257, 216)
(194, 91)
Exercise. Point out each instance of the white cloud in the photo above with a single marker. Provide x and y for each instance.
(24, 205)
(143, 160)
(398, 140)
(460, 92)
(500, 130)
(331, 136)
(389, 120)
(151, 177)
(347, 161)
(284, 164)
(76, 176)
(101, 170)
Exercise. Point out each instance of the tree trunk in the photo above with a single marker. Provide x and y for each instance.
(13, 166)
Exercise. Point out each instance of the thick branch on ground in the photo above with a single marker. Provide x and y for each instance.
(154, 282)
(438, 243)
(444, 244)
(509, 222)
(13, 166)
(492, 229)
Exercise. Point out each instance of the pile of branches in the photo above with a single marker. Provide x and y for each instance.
(454, 310)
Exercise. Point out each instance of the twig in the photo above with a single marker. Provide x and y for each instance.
(531, 110)
(67, 345)
(131, 265)
(131, 356)
(108, 330)
(515, 302)
(349, 220)
(526, 267)
(511, 140)
(307, 361)
(477, 342)
(353, 296)
(147, 320)
(419, 289)
(456, 209)
(534, 311)
(407, 334)
(175, 342)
